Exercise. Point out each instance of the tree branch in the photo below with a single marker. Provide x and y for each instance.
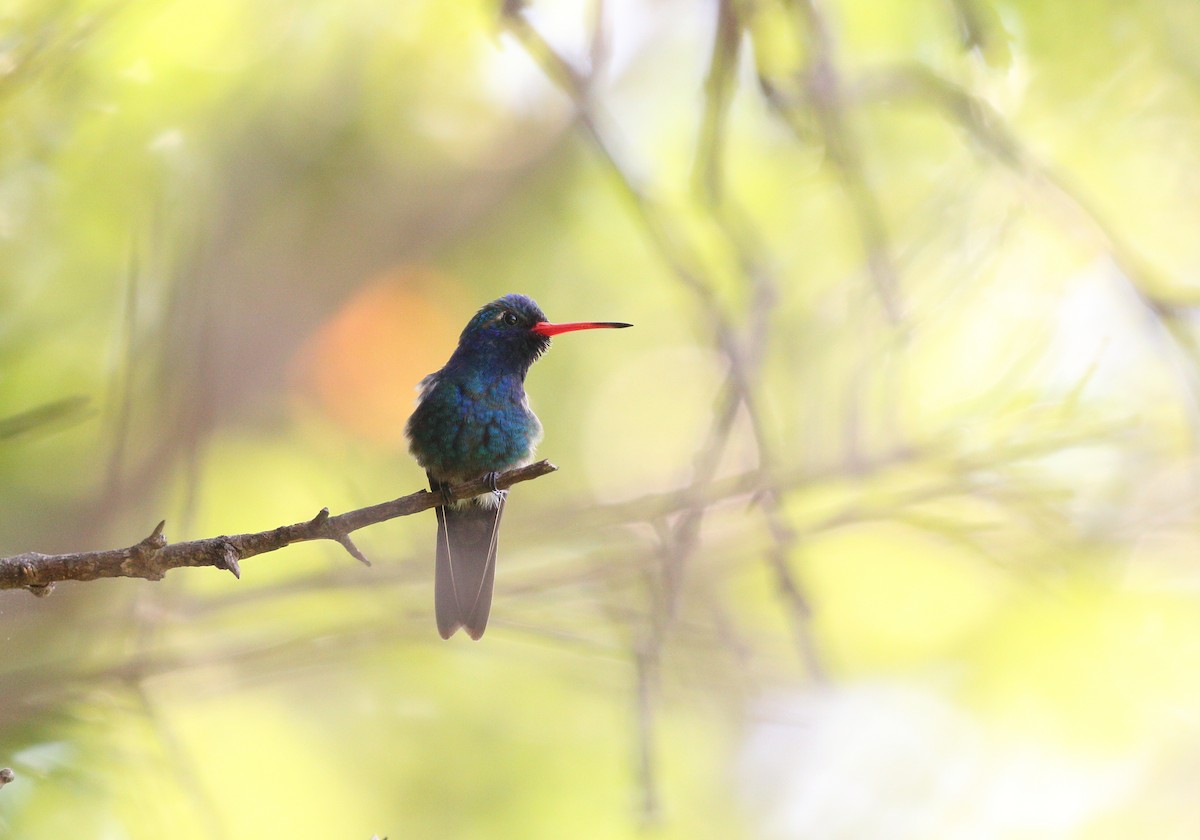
(154, 556)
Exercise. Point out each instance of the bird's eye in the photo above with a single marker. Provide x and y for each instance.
(509, 318)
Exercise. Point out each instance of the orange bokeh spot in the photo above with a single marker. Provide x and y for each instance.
(362, 365)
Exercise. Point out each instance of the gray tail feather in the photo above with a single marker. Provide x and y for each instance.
(466, 566)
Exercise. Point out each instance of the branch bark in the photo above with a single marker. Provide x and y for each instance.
(154, 556)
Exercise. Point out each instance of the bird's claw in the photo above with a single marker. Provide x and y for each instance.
(446, 494)
(490, 480)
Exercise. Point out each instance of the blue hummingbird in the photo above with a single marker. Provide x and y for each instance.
(473, 420)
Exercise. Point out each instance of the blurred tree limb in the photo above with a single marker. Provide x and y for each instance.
(154, 556)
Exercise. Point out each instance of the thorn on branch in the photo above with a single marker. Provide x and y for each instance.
(153, 543)
(349, 545)
(320, 518)
(229, 559)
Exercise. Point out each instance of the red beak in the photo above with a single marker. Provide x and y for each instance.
(547, 329)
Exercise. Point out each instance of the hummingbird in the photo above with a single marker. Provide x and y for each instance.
(473, 420)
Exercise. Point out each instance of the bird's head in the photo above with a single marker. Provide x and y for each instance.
(515, 329)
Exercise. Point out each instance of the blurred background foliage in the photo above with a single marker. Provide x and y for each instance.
(882, 523)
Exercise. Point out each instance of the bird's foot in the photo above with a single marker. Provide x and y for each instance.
(499, 494)
(444, 491)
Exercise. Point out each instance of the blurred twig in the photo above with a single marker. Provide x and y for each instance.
(647, 658)
(123, 380)
(62, 411)
(823, 93)
(969, 21)
(154, 556)
(719, 87)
